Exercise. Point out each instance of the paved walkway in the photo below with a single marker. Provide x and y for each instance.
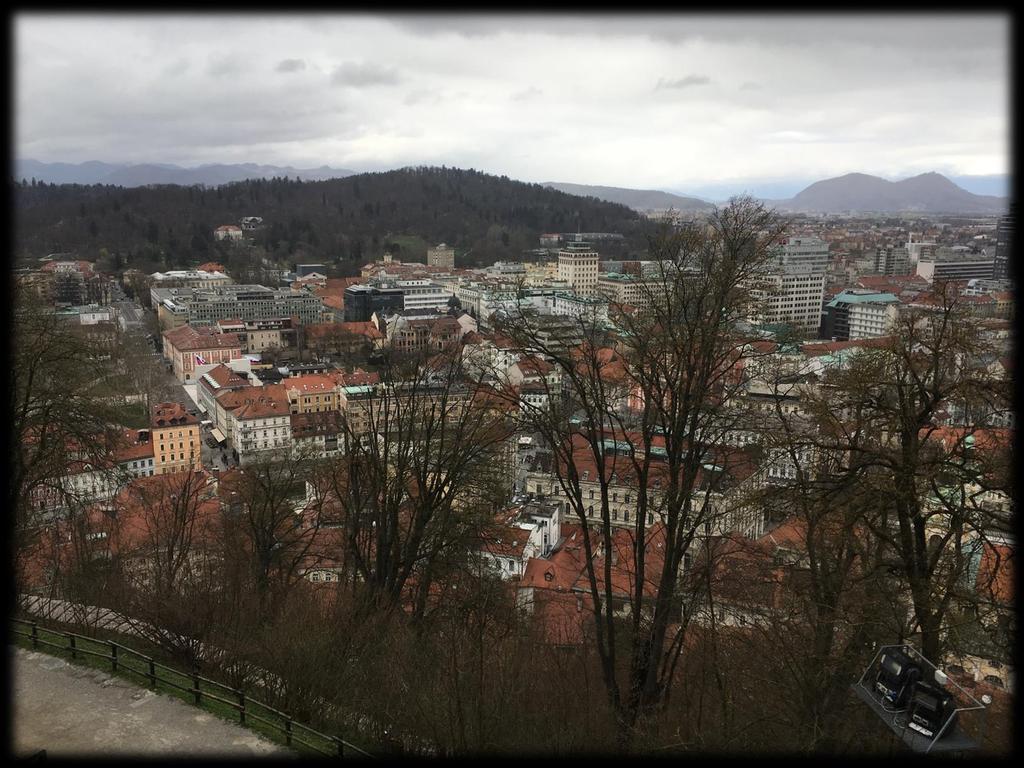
(71, 710)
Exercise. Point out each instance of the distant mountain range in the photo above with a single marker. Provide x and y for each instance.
(637, 199)
(927, 193)
(128, 175)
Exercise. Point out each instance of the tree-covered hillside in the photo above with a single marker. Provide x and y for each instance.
(342, 222)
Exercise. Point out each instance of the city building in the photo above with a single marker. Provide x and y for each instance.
(423, 294)
(312, 393)
(891, 260)
(955, 264)
(228, 232)
(441, 256)
(1002, 268)
(258, 423)
(205, 306)
(577, 265)
(793, 287)
(859, 314)
(624, 288)
(210, 384)
(175, 435)
(362, 301)
(257, 336)
(187, 348)
(187, 278)
(917, 247)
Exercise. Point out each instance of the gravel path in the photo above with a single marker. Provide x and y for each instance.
(71, 710)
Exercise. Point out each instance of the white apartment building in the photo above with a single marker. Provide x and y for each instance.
(577, 265)
(589, 308)
(424, 294)
(870, 319)
(793, 288)
(624, 289)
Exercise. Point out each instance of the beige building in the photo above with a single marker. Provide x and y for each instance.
(577, 265)
(312, 393)
(175, 436)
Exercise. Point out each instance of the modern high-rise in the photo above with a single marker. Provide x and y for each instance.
(793, 287)
(577, 265)
(890, 260)
(1002, 269)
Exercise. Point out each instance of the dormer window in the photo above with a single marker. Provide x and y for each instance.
(586, 474)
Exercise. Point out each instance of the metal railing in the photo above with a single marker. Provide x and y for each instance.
(191, 684)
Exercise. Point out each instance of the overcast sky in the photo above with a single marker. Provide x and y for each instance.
(644, 101)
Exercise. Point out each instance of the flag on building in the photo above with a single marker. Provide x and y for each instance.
(200, 359)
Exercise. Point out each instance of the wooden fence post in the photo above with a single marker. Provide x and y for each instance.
(113, 656)
(71, 642)
(195, 687)
(152, 673)
(35, 635)
(341, 747)
(241, 707)
(288, 732)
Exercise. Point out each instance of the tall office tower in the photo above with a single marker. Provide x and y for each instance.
(577, 265)
(1003, 269)
(794, 285)
(891, 260)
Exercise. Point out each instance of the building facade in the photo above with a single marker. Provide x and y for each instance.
(205, 306)
(175, 435)
(577, 265)
(186, 348)
(441, 256)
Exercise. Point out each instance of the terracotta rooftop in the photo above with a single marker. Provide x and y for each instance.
(187, 338)
(170, 414)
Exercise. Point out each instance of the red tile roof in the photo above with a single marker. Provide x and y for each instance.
(263, 403)
(170, 414)
(187, 338)
(828, 347)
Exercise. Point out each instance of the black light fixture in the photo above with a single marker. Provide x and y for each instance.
(897, 673)
(931, 709)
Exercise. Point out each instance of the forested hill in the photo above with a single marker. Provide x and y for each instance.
(342, 222)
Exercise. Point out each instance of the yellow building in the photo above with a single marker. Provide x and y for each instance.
(175, 435)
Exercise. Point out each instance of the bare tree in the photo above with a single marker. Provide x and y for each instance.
(420, 475)
(679, 355)
(929, 491)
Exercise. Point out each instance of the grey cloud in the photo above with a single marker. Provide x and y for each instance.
(179, 67)
(527, 94)
(362, 75)
(423, 96)
(223, 65)
(779, 29)
(684, 82)
(290, 65)
(749, 86)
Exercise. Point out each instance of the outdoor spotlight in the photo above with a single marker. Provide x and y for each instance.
(931, 708)
(897, 673)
